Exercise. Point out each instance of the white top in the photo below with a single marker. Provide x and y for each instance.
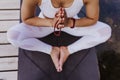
(49, 11)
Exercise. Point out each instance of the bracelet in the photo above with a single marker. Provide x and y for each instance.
(73, 23)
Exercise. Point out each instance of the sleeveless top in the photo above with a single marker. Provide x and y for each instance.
(49, 10)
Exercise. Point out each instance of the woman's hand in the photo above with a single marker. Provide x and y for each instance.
(64, 17)
(63, 20)
(58, 21)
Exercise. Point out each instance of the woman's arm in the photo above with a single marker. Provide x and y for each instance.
(28, 14)
(92, 14)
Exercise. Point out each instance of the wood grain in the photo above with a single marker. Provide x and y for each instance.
(9, 4)
(5, 25)
(8, 75)
(8, 50)
(9, 14)
(8, 63)
(3, 38)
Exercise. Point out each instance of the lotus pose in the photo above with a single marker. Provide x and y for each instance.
(60, 15)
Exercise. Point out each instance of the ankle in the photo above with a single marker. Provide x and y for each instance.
(64, 47)
(55, 48)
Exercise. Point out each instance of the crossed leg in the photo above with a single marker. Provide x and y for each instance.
(91, 36)
(24, 36)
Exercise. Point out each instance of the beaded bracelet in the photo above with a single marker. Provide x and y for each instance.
(73, 23)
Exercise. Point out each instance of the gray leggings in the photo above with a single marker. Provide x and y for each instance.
(82, 65)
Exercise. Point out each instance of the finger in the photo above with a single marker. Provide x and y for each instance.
(60, 26)
(63, 20)
(59, 22)
(61, 12)
(57, 14)
(60, 9)
(64, 13)
(55, 21)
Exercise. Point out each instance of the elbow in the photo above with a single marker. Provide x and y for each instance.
(94, 21)
(25, 21)
(29, 21)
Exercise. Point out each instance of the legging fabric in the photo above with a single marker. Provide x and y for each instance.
(24, 36)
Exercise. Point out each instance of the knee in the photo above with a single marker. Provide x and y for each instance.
(13, 35)
(14, 31)
(105, 32)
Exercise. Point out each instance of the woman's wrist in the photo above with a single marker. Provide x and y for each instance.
(50, 22)
(71, 22)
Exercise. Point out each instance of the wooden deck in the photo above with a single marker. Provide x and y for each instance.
(9, 16)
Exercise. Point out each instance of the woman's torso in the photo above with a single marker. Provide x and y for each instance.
(48, 9)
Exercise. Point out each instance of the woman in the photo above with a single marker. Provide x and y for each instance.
(61, 14)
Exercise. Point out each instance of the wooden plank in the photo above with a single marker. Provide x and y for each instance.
(8, 63)
(3, 38)
(8, 75)
(8, 14)
(8, 50)
(5, 25)
(9, 4)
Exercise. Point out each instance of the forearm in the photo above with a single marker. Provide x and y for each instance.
(82, 22)
(38, 22)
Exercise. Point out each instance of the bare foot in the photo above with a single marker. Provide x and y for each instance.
(55, 53)
(64, 54)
